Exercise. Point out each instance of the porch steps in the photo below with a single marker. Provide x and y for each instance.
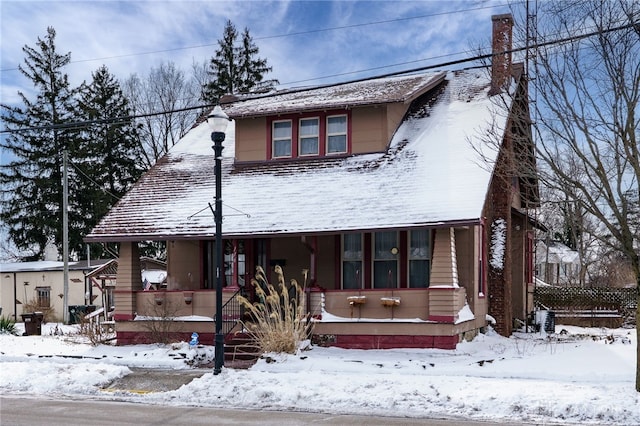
(240, 350)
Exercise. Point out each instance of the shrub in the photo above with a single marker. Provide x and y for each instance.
(94, 331)
(48, 313)
(160, 322)
(280, 322)
(7, 326)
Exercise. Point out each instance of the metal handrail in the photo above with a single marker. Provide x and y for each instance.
(232, 312)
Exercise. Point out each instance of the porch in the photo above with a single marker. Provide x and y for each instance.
(365, 319)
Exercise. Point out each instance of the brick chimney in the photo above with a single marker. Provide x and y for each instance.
(502, 38)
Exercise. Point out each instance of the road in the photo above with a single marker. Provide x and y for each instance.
(25, 411)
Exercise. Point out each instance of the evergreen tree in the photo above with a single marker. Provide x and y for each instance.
(109, 152)
(236, 69)
(31, 181)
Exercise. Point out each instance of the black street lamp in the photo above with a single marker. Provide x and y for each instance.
(218, 121)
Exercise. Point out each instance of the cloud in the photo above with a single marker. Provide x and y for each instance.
(133, 36)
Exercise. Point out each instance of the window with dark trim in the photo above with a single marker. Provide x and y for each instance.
(419, 258)
(385, 259)
(309, 135)
(352, 259)
(43, 297)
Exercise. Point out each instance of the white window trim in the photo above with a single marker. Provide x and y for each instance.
(345, 133)
(300, 137)
(274, 139)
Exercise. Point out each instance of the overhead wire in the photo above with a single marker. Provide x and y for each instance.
(83, 124)
(291, 34)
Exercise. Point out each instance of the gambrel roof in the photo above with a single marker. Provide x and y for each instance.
(430, 174)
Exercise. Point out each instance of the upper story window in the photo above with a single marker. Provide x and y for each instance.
(281, 138)
(336, 134)
(309, 135)
(316, 134)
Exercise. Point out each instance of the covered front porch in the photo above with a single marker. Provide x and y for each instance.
(420, 287)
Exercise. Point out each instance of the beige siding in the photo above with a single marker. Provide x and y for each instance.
(128, 280)
(326, 262)
(27, 293)
(368, 130)
(395, 114)
(444, 302)
(413, 304)
(251, 139)
(184, 268)
(444, 269)
(371, 130)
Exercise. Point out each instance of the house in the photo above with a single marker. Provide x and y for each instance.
(374, 187)
(557, 264)
(41, 284)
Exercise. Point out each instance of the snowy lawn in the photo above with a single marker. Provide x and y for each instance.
(578, 375)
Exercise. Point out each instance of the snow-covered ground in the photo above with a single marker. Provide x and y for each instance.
(578, 375)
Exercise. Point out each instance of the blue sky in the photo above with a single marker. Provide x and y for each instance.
(306, 42)
(345, 37)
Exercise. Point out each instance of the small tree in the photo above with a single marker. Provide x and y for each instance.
(281, 322)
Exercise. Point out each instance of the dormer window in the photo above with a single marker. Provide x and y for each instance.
(281, 137)
(309, 135)
(336, 134)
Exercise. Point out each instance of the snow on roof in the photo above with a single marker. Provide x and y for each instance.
(49, 265)
(429, 175)
(556, 253)
(369, 92)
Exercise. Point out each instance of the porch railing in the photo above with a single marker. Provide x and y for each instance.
(232, 312)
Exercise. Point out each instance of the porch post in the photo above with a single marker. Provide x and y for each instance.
(446, 297)
(128, 282)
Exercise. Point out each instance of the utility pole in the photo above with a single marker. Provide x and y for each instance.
(65, 237)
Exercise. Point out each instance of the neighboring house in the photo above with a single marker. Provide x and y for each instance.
(103, 280)
(557, 264)
(374, 187)
(42, 284)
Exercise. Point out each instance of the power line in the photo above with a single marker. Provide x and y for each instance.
(83, 124)
(320, 30)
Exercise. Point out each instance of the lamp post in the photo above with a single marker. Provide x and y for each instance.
(218, 121)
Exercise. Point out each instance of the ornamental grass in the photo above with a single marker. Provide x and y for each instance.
(279, 321)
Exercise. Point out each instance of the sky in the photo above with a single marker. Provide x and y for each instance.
(306, 42)
(573, 376)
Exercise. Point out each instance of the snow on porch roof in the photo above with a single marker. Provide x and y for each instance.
(369, 92)
(429, 175)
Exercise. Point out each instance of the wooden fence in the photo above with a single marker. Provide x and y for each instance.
(591, 306)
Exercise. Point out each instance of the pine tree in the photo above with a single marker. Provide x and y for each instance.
(235, 70)
(108, 157)
(31, 181)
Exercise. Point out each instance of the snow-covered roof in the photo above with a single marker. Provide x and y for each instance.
(556, 253)
(370, 92)
(49, 265)
(429, 175)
